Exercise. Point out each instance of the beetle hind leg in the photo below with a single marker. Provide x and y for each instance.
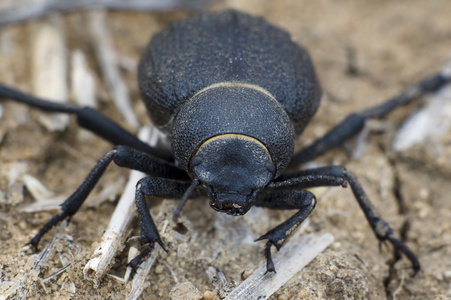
(354, 123)
(88, 118)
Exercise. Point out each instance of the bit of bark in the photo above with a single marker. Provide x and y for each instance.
(219, 281)
(432, 120)
(288, 261)
(49, 68)
(429, 122)
(83, 81)
(107, 58)
(26, 10)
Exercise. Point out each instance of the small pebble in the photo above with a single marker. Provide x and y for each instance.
(447, 275)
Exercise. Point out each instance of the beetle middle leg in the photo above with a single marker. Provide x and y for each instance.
(336, 176)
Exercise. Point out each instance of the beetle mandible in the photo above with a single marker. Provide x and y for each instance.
(233, 93)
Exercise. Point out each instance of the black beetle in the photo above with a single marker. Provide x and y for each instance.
(233, 93)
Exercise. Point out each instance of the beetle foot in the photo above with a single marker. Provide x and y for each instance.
(34, 242)
(134, 263)
(271, 242)
(269, 263)
(400, 246)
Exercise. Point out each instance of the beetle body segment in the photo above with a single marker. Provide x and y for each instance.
(232, 109)
(228, 53)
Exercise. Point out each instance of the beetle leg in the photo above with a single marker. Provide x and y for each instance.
(156, 187)
(303, 200)
(87, 118)
(71, 205)
(354, 123)
(124, 157)
(334, 176)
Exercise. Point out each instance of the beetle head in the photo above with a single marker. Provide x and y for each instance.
(233, 167)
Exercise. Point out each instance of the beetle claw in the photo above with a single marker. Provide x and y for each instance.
(33, 243)
(269, 262)
(134, 263)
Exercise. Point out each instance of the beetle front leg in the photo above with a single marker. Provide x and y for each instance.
(122, 156)
(380, 226)
(335, 176)
(303, 200)
(157, 187)
(73, 203)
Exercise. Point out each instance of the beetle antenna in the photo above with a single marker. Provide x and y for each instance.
(185, 197)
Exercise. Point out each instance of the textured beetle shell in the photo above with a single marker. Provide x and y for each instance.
(226, 46)
(231, 47)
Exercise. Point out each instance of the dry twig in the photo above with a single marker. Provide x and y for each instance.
(26, 10)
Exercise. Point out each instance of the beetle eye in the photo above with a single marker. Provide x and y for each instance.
(271, 168)
(196, 161)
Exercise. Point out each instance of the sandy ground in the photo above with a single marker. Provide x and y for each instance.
(364, 52)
